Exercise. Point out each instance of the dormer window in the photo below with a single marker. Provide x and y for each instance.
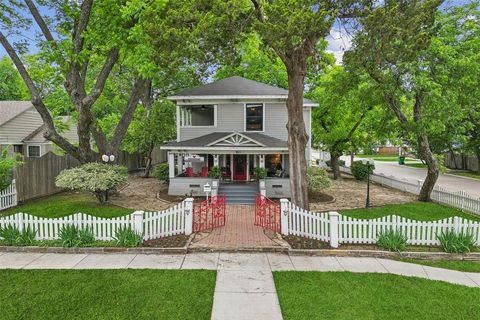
(198, 116)
(254, 117)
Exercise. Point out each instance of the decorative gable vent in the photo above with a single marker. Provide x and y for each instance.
(236, 139)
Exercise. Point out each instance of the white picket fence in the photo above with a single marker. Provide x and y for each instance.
(153, 225)
(337, 229)
(461, 200)
(8, 196)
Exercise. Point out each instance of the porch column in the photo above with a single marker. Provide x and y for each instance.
(231, 167)
(179, 164)
(215, 160)
(248, 167)
(171, 165)
(262, 161)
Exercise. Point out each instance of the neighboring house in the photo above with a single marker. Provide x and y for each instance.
(236, 124)
(21, 129)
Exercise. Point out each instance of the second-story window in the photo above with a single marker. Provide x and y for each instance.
(254, 117)
(197, 116)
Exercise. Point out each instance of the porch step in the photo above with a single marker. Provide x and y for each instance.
(239, 193)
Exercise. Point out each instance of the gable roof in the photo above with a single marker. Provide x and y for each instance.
(11, 109)
(234, 87)
(230, 139)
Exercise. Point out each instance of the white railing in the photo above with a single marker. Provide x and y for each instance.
(338, 229)
(461, 200)
(153, 225)
(8, 196)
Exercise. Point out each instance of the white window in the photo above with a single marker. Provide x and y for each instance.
(198, 116)
(33, 151)
(254, 120)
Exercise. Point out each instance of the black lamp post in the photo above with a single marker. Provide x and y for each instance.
(369, 164)
(108, 159)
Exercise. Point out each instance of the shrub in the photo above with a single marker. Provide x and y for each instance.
(10, 235)
(456, 242)
(86, 236)
(341, 163)
(214, 172)
(260, 172)
(392, 240)
(6, 168)
(126, 237)
(317, 178)
(93, 177)
(69, 236)
(161, 172)
(27, 236)
(361, 170)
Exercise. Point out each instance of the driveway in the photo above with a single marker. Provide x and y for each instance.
(447, 181)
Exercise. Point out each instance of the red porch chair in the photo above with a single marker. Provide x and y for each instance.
(204, 172)
(189, 172)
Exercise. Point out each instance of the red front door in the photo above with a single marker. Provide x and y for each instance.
(239, 167)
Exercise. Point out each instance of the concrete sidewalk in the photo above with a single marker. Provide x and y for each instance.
(245, 287)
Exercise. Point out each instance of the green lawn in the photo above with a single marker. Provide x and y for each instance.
(382, 157)
(462, 265)
(106, 294)
(344, 295)
(65, 204)
(426, 211)
(416, 165)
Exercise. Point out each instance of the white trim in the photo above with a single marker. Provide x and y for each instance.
(245, 116)
(221, 150)
(233, 134)
(178, 122)
(193, 100)
(215, 118)
(39, 150)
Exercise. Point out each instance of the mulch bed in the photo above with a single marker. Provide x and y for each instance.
(167, 242)
(320, 197)
(297, 242)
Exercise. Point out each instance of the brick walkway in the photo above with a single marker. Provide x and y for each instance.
(239, 231)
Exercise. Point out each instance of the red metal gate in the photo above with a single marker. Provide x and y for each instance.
(267, 213)
(209, 214)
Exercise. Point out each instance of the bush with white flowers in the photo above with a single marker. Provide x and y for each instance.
(93, 177)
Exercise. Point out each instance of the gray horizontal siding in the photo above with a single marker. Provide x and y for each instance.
(231, 118)
(188, 186)
(277, 188)
(20, 127)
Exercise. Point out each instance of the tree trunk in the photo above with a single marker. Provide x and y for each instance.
(297, 135)
(334, 158)
(148, 165)
(432, 164)
(352, 157)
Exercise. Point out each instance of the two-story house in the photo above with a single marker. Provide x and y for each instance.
(238, 125)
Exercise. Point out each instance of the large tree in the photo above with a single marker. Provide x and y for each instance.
(293, 29)
(85, 42)
(11, 85)
(392, 47)
(349, 116)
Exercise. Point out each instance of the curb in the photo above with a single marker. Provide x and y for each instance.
(475, 256)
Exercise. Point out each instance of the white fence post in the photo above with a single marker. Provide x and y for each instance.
(188, 216)
(262, 187)
(420, 184)
(456, 224)
(138, 222)
(20, 222)
(333, 229)
(284, 213)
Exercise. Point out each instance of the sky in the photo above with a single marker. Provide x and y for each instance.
(338, 41)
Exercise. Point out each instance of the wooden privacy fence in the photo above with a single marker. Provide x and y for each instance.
(337, 229)
(461, 199)
(36, 177)
(152, 225)
(8, 196)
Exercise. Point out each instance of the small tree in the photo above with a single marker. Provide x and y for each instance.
(317, 178)
(6, 168)
(93, 177)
